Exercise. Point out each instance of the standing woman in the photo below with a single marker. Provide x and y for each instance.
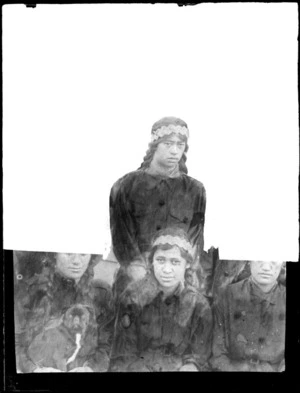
(164, 323)
(157, 195)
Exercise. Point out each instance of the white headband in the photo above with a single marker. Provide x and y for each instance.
(174, 241)
(170, 129)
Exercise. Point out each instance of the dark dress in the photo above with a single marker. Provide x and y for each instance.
(249, 331)
(156, 334)
(142, 204)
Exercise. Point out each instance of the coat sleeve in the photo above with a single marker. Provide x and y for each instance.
(199, 350)
(220, 360)
(122, 225)
(202, 209)
(99, 359)
(197, 207)
(125, 346)
(34, 315)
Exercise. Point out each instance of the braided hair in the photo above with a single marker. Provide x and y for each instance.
(165, 121)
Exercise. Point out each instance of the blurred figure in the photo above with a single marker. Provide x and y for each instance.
(249, 330)
(164, 323)
(41, 303)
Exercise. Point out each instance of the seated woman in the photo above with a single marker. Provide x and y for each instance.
(63, 321)
(249, 331)
(164, 323)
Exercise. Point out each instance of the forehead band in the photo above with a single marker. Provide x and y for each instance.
(174, 241)
(170, 129)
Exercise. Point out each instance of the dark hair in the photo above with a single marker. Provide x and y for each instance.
(171, 231)
(165, 121)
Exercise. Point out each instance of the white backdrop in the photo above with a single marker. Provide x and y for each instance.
(83, 84)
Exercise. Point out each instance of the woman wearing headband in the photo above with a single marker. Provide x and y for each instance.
(157, 195)
(164, 323)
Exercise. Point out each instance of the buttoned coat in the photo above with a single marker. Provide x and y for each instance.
(249, 328)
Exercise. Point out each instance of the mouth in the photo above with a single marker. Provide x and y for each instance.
(265, 275)
(75, 270)
(167, 279)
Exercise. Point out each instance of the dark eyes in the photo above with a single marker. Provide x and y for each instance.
(180, 145)
(161, 261)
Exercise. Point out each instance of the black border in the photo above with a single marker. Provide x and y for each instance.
(210, 382)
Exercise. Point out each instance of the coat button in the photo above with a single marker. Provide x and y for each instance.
(158, 227)
(161, 202)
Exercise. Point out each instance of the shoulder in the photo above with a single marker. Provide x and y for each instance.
(193, 182)
(126, 181)
(197, 300)
(239, 288)
(140, 292)
(280, 291)
(130, 176)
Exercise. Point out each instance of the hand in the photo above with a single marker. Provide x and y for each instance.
(188, 367)
(46, 370)
(84, 369)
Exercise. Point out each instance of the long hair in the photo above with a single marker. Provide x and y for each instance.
(190, 276)
(165, 121)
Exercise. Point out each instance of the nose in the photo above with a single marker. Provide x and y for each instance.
(266, 266)
(76, 260)
(174, 149)
(167, 268)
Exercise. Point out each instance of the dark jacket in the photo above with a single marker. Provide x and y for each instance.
(153, 334)
(249, 331)
(41, 303)
(141, 204)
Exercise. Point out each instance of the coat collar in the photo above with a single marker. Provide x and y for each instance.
(260, 296)
(147, 290)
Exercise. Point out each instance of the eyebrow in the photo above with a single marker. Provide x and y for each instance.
(170, 141)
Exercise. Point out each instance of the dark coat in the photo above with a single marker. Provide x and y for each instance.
(249, 331)
(55, 345)
(142, 204)
(153, 334)
(42, 302)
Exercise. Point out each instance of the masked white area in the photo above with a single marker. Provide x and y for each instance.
(83, 84)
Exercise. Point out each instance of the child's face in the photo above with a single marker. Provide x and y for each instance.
(169, 267)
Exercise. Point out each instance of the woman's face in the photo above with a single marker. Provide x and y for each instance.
(169, 152)
(72, 265)
(169, 267)
(265, 274)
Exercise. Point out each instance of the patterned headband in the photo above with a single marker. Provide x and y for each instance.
(170, 129)
(174, 241)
